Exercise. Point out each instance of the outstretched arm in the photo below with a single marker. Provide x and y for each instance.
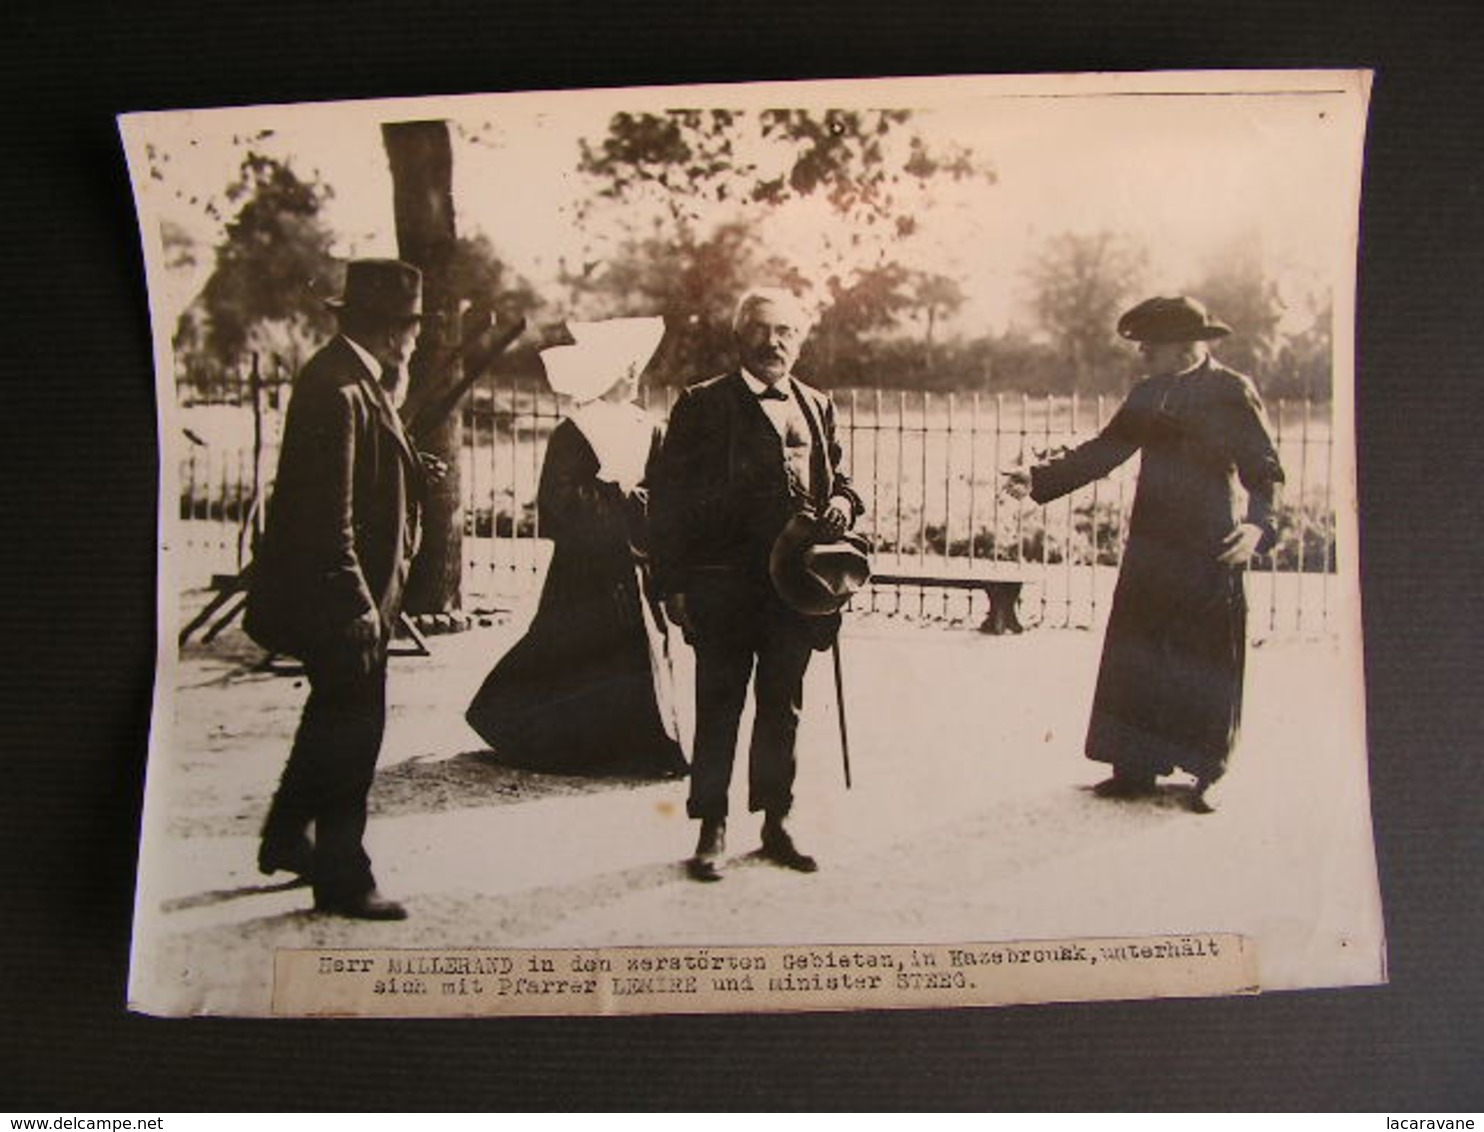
(1087, 462)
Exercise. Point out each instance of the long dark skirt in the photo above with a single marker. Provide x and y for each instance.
(583, 692)
(1169, 690)
(588, 689)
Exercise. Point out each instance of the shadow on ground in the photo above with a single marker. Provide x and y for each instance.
(223, 895)
(474, 779)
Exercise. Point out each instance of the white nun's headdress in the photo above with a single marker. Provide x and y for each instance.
(606, 352)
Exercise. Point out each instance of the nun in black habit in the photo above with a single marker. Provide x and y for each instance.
(1169, 689)
(588, 689)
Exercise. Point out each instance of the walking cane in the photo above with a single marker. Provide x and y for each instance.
(840, 706)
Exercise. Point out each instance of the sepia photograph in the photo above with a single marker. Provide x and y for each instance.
(803, 546)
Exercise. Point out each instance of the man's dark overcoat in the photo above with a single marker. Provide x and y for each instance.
(342, 521)
(341, 532)
(720, 496)
(1169, 691)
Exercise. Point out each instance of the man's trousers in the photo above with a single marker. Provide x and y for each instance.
(761, 641)
(331, 767)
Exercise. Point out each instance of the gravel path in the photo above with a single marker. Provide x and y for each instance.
(969, 821)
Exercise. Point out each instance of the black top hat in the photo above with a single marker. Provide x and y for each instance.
(817, 577)
(387, 288)
(1174, 319)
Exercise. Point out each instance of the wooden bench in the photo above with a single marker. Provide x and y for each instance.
(1002, 588)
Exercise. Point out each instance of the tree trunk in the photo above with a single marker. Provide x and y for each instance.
(421, 159)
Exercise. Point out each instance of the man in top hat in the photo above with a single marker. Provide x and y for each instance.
(1169, 690)
(744, 453)
(327, 582)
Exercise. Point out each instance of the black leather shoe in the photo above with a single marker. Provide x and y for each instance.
(779, 848)
(1125, 786)
(703, 869)
(365, 906)
(1200, 798)
(706, 864)
(1199, 802)
(286, 857)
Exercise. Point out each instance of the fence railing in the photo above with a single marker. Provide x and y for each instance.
(927, 464)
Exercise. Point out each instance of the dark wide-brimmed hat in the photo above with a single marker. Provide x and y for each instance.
(386, 288)
(816, 575)
(1173, 319)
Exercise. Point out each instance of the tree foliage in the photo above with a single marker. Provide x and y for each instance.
(1305, 362)
(273, 268)
(1237, 290)
(1081, 282)
(692, 161)
(479, 277)
(1283, 361)
(694, 283)
(699, 197)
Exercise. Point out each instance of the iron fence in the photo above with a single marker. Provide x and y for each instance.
(928, 465)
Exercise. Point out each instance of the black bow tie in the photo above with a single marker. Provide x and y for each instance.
(772, 393)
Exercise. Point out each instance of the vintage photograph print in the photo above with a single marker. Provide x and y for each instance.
(805, 546)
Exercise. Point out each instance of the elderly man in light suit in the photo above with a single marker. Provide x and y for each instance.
(327, 583)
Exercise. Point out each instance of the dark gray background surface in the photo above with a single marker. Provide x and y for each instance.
(78, 572)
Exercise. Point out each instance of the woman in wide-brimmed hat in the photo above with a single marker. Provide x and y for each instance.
(588, 689)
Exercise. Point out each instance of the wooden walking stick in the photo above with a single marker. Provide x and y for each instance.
(840, 706)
